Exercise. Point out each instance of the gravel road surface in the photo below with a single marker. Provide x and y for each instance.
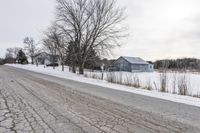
(32, 103)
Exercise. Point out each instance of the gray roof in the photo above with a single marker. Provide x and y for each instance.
(135, 60)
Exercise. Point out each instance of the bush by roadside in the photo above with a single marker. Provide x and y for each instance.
(2, 61)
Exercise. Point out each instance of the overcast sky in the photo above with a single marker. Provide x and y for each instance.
(158, 28)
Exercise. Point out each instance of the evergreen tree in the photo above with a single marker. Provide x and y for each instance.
(21, 57)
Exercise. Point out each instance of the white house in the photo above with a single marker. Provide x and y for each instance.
(44, 58)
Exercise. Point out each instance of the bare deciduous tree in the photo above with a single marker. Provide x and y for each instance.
(30, 47)
(90, 25)
(11, 53)
(50, 46)
(59, 43)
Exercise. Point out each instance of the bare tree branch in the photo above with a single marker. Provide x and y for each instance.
(90, 25)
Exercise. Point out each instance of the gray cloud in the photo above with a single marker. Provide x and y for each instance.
(163, 29)
(159, 28)
(20, 18)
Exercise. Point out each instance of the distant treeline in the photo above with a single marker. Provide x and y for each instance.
(185, 63)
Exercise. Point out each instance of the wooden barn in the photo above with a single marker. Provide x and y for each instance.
(132, 64)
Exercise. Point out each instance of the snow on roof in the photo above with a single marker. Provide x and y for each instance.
(45, 54)
(134, 60)
(38, 54)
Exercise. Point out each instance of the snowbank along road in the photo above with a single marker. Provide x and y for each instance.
(33, 102)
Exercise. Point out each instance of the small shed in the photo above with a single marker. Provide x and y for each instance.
(132, 64)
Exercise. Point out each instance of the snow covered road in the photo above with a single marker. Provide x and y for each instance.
(33, 102)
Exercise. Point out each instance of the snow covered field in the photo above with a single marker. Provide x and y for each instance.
(170, 82)
(145, 79)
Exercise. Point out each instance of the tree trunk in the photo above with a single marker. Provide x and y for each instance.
(73, 63)
(81, 68)
(63, 67)
(53, 62)
(32, 60)
(73, 68)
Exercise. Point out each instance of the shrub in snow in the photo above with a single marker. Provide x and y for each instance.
(163, 82)
(128, 80)
(111, 77)
(183, 85)
(148, 85)
(174, 83)
(136, 81)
